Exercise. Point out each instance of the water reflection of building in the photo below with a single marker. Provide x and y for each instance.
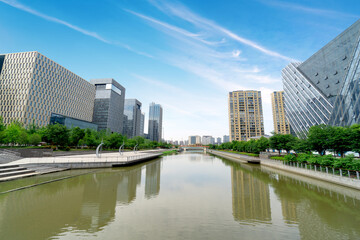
(152, 181)
(126, 187)
(289, 211)
(250, 197)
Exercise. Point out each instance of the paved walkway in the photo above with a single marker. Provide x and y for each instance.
(113, 157)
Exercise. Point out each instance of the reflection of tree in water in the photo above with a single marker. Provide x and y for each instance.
(152, 181)
(250, 197)
(319, 213)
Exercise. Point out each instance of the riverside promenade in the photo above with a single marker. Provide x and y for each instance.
(27, 167)
(339, 180)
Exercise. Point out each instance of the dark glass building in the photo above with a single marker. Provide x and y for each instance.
(325, 88)
(109, 104)
(132, 118)
(155, 122)
(71, 122)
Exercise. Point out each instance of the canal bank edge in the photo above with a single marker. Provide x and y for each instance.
(343, 181)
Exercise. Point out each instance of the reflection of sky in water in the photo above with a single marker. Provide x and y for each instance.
(192, 196)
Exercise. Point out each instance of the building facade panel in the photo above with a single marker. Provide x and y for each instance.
(325, 88)
(33, 86)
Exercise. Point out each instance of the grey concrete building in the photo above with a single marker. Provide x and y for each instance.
(226, 138)
(109, 104)
(325, 88)
(32, 87)
(155, 122)
(132, 118)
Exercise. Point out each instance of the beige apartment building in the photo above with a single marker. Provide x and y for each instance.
(245, 115)
(281, 125)
(32, 87)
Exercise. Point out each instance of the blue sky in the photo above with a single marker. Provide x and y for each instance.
(186, 55)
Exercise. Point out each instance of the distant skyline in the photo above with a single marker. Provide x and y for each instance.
(185, 55)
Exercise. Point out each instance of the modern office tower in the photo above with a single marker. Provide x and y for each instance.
(142, 124)
(132, 118)
(155, 122)
(109, 104)
(325, 88)
(245, 115)
(32, 87)
(281, 125)
(218, 140)
(226, 138)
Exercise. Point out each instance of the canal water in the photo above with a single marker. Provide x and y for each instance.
(185, 196)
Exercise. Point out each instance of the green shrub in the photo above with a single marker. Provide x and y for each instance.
(303, 157)
(327, 160)
(290, 158)
(277, 158)
(314, 159)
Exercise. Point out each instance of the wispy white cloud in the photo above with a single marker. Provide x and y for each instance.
(20, 6)
(316, 11)
(184, 13)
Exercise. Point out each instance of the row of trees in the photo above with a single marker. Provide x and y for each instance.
(15, 134)
(320, 138)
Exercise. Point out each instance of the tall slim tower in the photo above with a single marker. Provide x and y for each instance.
(132, 118)
(245, 115)
(281, 125)
(155, 122)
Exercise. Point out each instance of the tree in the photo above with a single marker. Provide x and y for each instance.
(355, 136)
(318, 138)
(301, 146)
(91, 139)
(114, 140)
(12, 133)
(262, 144)
(34, 139)
(58, 134)
(76, 134)
(2, 130)
(282, 141)
(340, 140)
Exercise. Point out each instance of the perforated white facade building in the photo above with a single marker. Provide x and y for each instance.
(32, 87)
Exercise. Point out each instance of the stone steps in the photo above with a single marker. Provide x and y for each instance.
(16, 173)
(2, 179)
(12, 169)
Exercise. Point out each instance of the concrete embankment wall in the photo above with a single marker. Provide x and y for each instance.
(343, 181)
(235, 157)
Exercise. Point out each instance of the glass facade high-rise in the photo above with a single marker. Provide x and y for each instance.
(109, 104)
(132, 118)
(32, 87)
(325, 88)
(245, 115)
(142, 124)
(155, 122)
(281, 124)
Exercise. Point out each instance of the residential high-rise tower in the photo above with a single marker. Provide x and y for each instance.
(281, 125)
(245, 115)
